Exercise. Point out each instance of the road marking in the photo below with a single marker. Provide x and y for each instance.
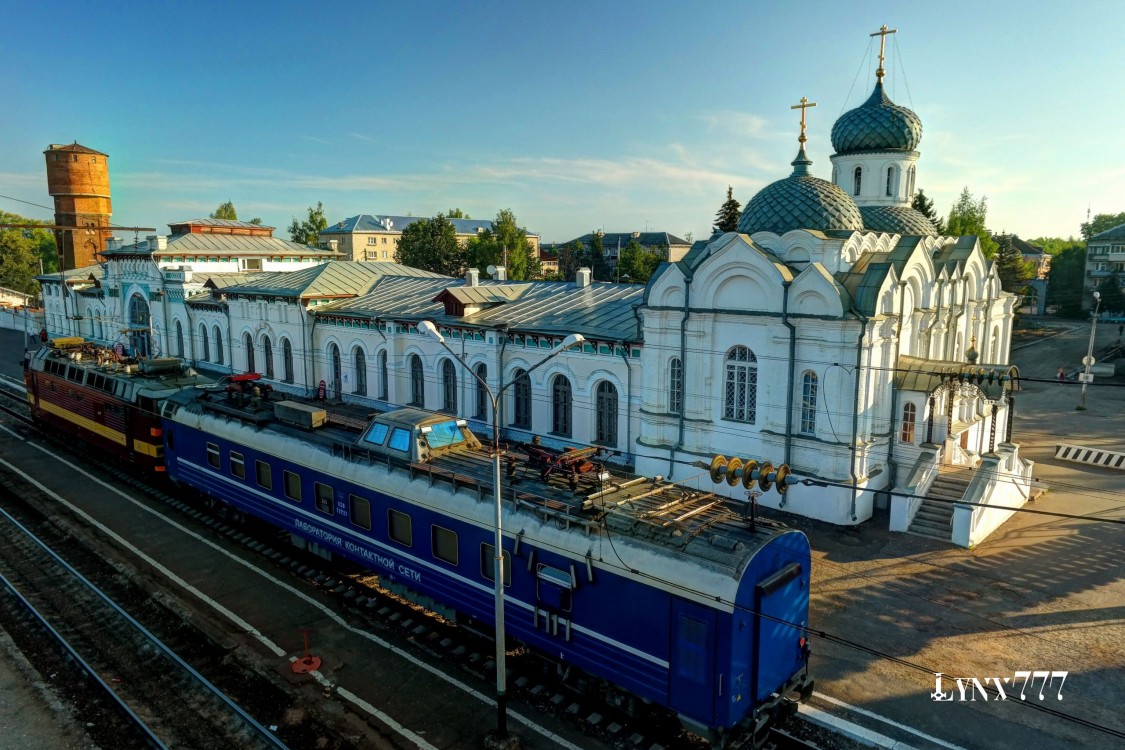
(330, 613)
(885, 720)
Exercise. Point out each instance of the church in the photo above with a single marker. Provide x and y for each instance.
(834, 332)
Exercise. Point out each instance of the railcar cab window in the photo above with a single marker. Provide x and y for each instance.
(237, 465)
(265, 476)
(443, 542)
(376, 434)
(292, 486)
(488, 564)
(443, 434)
(214, 460)
(400, 439)
(360, 511)
(324, 498)
(398, 528)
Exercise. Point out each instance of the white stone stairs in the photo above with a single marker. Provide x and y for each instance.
(935, 519)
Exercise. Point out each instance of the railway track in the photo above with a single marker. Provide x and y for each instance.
(162, 699)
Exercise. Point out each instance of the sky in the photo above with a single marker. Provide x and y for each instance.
(620, 116)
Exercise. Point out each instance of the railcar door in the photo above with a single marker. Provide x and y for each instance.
(692, 679)
(782, 599)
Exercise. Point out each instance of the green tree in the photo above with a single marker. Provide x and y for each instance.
(572, 256)
(22, 251)
(431, 244)
(967, 218)
(308, 232)
(456, 213)
(925, 206)
(1010, 266)
(505, 237)
(638, 262)
(1113, 300)
(1055, 245)
(225, 211)
(1065, 280)
(256, 220)
(596, 255)
(726, 220)
(1101, 223)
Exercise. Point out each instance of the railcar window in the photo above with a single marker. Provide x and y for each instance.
(324, 498)
(398, 527)
(237, 465)
(171, 439)
(74, 375)
(213, 457)
(377, 433)
(443, 542)
(265, 476)
(292, 486)
(444, 434)
(360, 511)
(488, 564)
(400, 439)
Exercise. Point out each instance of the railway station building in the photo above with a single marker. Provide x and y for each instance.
(835, 331)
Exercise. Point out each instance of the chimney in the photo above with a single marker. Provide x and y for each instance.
(161, 242)
(333, 244)
(472, 277)
(501, 273)
(583, 277)
(113, 243)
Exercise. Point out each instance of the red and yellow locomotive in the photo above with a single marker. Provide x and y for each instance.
(110, 401)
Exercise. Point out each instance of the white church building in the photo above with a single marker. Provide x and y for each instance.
(834, 332)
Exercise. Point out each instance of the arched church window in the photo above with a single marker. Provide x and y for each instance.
(218, 334)
(910, 183)
(835, 176)
(741, 385)
(808, 403)
(483, 399)
(138, 323)
(890, 181)
(858, 179)
(179, 339)
(287, 359)
(676, 386)
(384, 383)
(267, 354)
(337, 371)
(206, 345)
(909, 416)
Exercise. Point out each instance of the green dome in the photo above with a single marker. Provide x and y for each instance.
(897, 220)
(877, 125)
(800, 201)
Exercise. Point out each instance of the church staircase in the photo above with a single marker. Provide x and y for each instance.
(935, 516)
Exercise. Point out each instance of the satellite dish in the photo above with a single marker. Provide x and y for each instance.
(491, 270)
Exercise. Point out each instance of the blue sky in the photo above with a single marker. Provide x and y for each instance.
(579, 115)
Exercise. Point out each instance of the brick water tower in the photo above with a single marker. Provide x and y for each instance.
(78, 180)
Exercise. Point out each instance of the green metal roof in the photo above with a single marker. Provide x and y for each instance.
(335, 279)
(925, 375)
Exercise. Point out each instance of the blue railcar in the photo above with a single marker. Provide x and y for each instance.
(663, 591)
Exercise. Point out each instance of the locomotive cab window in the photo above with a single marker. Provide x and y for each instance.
(214, 460)
(265, 476)
(237, 465)
(171, 437)
(324, 498)
(292, 486)
(360, 511)
(488, 564)
(444, 544)
(398, 528)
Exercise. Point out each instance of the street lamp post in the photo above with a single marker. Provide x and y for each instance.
(572, 340)
(1089, 360)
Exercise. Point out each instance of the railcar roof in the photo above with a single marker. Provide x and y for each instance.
(648, 511)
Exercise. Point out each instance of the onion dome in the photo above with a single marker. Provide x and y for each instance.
(877, 125)
(897, 220)
(800, 201)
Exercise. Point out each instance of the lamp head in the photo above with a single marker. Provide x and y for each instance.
(573, 339)
(430, 330)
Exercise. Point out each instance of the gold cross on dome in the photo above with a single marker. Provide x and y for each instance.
(882, 34)
(805, 104)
